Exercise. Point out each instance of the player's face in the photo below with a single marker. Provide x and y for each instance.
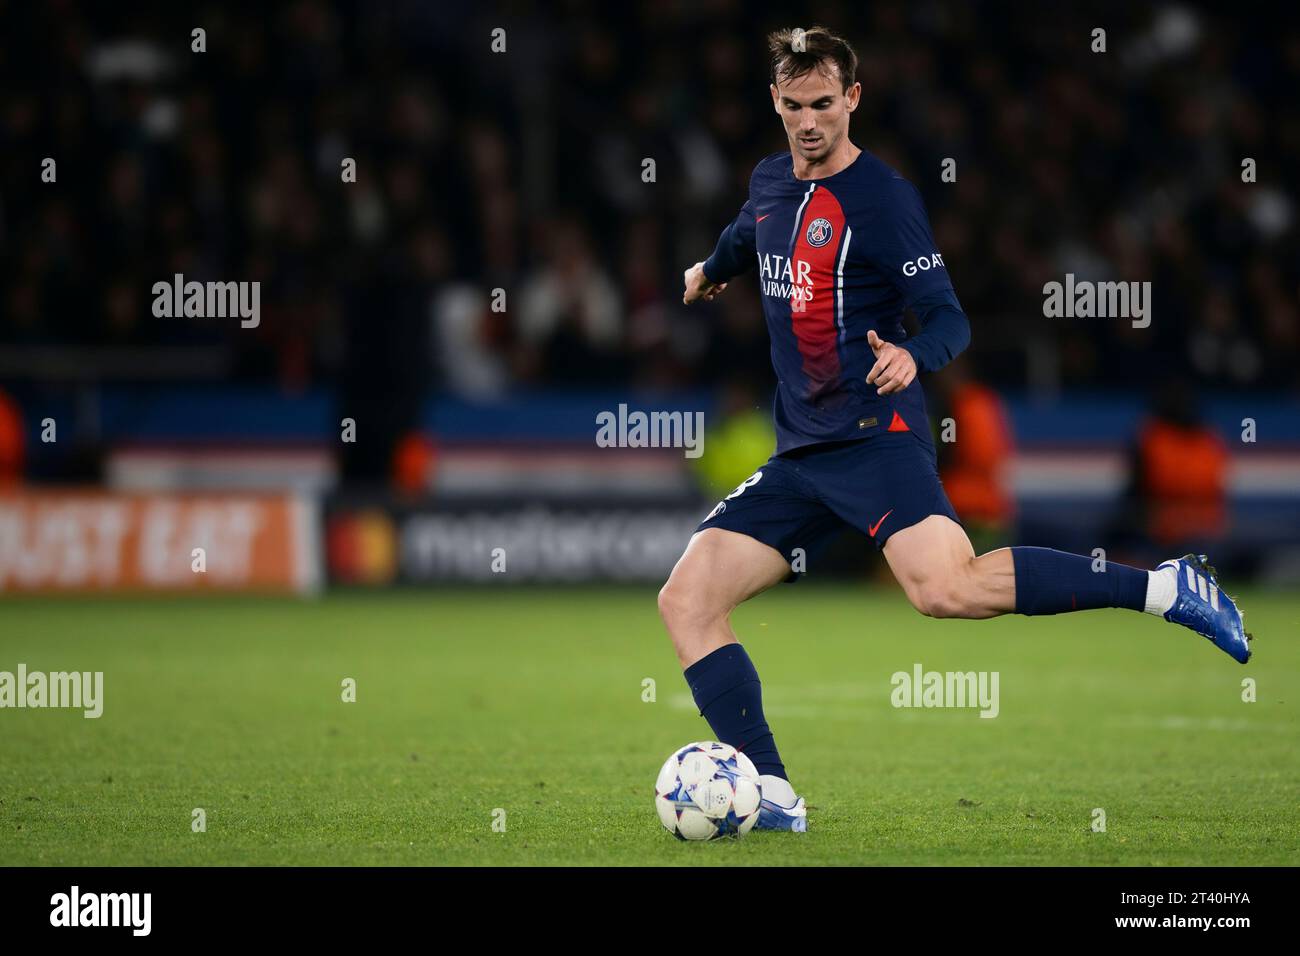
(815, 109)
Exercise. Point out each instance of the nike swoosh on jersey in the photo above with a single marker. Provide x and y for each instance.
(872, 529)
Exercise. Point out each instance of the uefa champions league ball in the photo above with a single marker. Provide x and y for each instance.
(708, 790)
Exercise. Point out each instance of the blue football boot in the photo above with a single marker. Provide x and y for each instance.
(1201, 605)
(780, 809)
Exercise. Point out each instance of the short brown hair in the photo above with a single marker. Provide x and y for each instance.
(819, 45)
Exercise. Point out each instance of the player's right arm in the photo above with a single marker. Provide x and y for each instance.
(732, 255)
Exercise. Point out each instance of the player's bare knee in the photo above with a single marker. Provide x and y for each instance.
(947, 603)
(948, 594)
(925, 600)
(667, 599)
(938, 597)
(683, 608)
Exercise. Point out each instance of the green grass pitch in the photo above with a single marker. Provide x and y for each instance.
(530, 701)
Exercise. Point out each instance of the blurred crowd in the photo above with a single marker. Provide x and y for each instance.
(522, 170)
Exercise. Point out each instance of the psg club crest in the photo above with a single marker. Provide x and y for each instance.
(819, 232)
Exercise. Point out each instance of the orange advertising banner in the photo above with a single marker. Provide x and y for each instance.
(87, 541)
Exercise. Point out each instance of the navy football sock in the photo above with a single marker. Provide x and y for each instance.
(1051, 582)
(727, 691)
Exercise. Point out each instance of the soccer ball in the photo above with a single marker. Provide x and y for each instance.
(708, 790)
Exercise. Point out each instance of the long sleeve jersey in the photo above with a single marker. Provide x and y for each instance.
(836, 258)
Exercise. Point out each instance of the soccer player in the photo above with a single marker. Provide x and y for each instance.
(843, 246)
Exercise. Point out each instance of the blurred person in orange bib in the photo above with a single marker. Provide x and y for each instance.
(974, 460)
(12, 442)
(1180, 473)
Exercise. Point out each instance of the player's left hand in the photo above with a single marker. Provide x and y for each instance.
(894, 369)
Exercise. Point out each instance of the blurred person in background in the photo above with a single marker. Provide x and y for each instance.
(12, 442)
(744, 435)
(974, 465)
(414, 460)
(570, 313)
(1176, 499)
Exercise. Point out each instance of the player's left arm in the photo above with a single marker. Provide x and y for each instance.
(904, 249)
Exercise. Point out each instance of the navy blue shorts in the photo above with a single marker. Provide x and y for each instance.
(804, 498)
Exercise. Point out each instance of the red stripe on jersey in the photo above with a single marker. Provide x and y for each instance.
(898, 425)
(813, 318)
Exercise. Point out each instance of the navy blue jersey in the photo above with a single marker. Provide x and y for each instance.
(836, 258)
